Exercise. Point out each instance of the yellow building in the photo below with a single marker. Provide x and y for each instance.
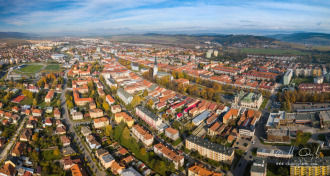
(122, 116)
(308, 166)
(317, 72)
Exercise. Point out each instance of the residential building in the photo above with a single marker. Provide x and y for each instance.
(162, 150)
(8, 170)
(287, 77)
(49, 96)
(110, 100)
(115, 109)
(274, 153)
(149, 117)
(146, 138)
(210, 150)
(124, 96)
(95, 113)
(107, 160)
(278, 135)
(123, 116)
(101, 122)
(172, 133)
(259, 167)
(78, 170)
(77, 116)
(305, 166)
(201, 171)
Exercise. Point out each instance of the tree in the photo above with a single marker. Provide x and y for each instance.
(283, 171)
(35, 137)
(35, 102)
(108, 130)
(69, 104)
(145, 93)
(143, 151)
(56, 152)
(136, 100)
(58, 103)
(126, 133)
(150, 103)
(105, 106)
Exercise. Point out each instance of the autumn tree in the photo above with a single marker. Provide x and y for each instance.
(35, 102)
(136, 100)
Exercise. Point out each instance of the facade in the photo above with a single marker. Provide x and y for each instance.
(124, 96)
(210, 150)
(274, 153)
(77, 116)
(287, 77)
(311, 166)
(146, 138)
(95, 113)
(123, 116)
(149, 117)
(249, 100)
(107, 160)
(49, 96)
(101, 122)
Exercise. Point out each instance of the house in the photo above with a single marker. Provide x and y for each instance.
(2, 113)
(57, 113)
(37, 112)
(18, 149)
(231, 114)
(116, 168)
(259, 167)
(15, 118)
(146, 138)
(26, 135)
(15, 109)
(60, 130)
(8, 115)
(172, 133)
(47, 122)
(201, 171)
(124, 96)
(49, 96)
(100, 152)
(93, 144)
(78, 170)
(101, 122)
(8, 170)
(65, 140)
(49, 110)
(5, 122)
(95, 113)
(85, 131)
(77, 116)
(130, 172)
(69, 162)
(107, 160)
(162, 150)
(115, 109)
(110, 100)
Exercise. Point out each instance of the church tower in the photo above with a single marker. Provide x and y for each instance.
(155, 66)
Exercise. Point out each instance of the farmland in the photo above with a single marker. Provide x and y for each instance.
(268, 51)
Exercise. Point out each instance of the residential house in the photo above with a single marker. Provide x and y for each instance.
(172, 133)
(95, 113)
(101, 122)
(146, 138)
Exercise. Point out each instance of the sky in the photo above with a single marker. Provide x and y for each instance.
(182, 16)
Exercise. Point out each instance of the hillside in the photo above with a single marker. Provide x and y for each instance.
(17, 35)
(304, 38)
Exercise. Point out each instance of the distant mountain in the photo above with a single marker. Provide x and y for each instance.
(17, 35)
(304, 38)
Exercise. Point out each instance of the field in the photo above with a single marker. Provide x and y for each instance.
(52, 67)
(30, 69)
(272, 51)
(301, 80)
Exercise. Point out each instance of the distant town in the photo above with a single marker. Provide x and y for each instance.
(91, 106)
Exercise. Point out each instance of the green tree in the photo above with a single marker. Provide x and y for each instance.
(136, 100)
(58, 103)
(145, 93)
(69, 104)
(126, 133)
(108, 130)
(35, 102)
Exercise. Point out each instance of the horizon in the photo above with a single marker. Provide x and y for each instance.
(112, 17)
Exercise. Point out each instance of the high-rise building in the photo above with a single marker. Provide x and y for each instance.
(155, 67)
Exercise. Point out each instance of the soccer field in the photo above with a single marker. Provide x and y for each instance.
(30, 68)
(52, 67)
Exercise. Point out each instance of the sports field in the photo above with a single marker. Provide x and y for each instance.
(272, 51)
(30, 69)
(52, 67)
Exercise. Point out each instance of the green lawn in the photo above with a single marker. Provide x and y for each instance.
(48, 155)
(298, 81)
(272, 51)
(30, 68)
(52, 67)
(264, 103)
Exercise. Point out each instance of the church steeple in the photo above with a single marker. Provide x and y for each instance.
(155, 67)
(155, 60)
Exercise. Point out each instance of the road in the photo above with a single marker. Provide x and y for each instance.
(12, 141)
(67, 120)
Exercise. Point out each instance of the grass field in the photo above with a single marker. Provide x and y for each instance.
(298, 81)
(272, 51)
(30, 69)
(52, 67)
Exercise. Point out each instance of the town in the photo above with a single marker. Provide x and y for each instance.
(90, 106)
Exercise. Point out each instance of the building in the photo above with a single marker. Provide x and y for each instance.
(123, 116)
(259, 167)
(287, 77)
(278, 135)
(210, 150)
(78, 170)
(8, 169)
(324, 119)
(160, 74)
(312, 87)
(249, 100)
(101, 122)
(49, 96)
(143, 135)
(110, 100)
(149, 117)
(95, 113)
(201, 171)
(130, 172)
(124, 96)
(135, 66)
(107, 160)
(77, 116)
(274, 153)
(316, 166)
(318, 80)
(115, 109)
(200, 118)
(172, 133)
(162, 150)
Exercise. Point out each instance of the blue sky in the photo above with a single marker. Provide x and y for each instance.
(222, 16)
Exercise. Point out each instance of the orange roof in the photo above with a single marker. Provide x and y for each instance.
(109, 98)
(168, 152)
(78, 170)
(203, 172)
(50, 94)
(171, 130)
(101, 120)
